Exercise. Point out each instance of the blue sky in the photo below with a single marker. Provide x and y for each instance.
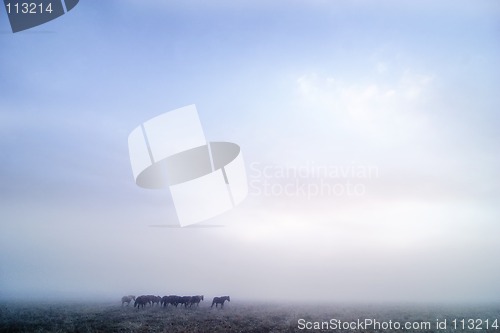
(408, 88)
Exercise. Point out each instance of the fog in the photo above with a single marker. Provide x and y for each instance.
(369, 134)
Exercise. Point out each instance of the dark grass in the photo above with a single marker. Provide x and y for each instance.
(235, 317)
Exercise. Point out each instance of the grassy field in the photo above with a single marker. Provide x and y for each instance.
(235, 317)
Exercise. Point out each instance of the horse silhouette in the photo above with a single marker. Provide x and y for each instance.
(171, 299)
(154, 300)
(195, 300)
(141, 301)
(220, 300)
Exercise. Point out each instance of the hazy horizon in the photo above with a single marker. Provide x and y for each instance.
(369, 132)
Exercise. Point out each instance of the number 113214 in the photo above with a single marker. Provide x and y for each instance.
(28, 8)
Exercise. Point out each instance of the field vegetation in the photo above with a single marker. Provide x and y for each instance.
(234, 317)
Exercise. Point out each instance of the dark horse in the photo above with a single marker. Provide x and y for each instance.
(184, 300)
(195, 300)
(154, 299)
(172, 299)
(220, 300)
(166, 300)
(141, 301)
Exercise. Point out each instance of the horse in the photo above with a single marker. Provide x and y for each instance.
(128, 299)
(220, 300)
(165, 301)
(154, 300)
(195, 300)
(141, 301)
(171, 299)
(184, 300)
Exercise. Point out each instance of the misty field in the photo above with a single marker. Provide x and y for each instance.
(241, 317)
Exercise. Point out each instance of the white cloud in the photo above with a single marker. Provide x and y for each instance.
(371, 107)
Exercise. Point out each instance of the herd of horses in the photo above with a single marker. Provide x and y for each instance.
(174, 300)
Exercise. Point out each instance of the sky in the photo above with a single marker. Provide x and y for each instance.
(369, 131)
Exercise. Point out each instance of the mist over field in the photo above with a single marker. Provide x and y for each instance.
(369, 132)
